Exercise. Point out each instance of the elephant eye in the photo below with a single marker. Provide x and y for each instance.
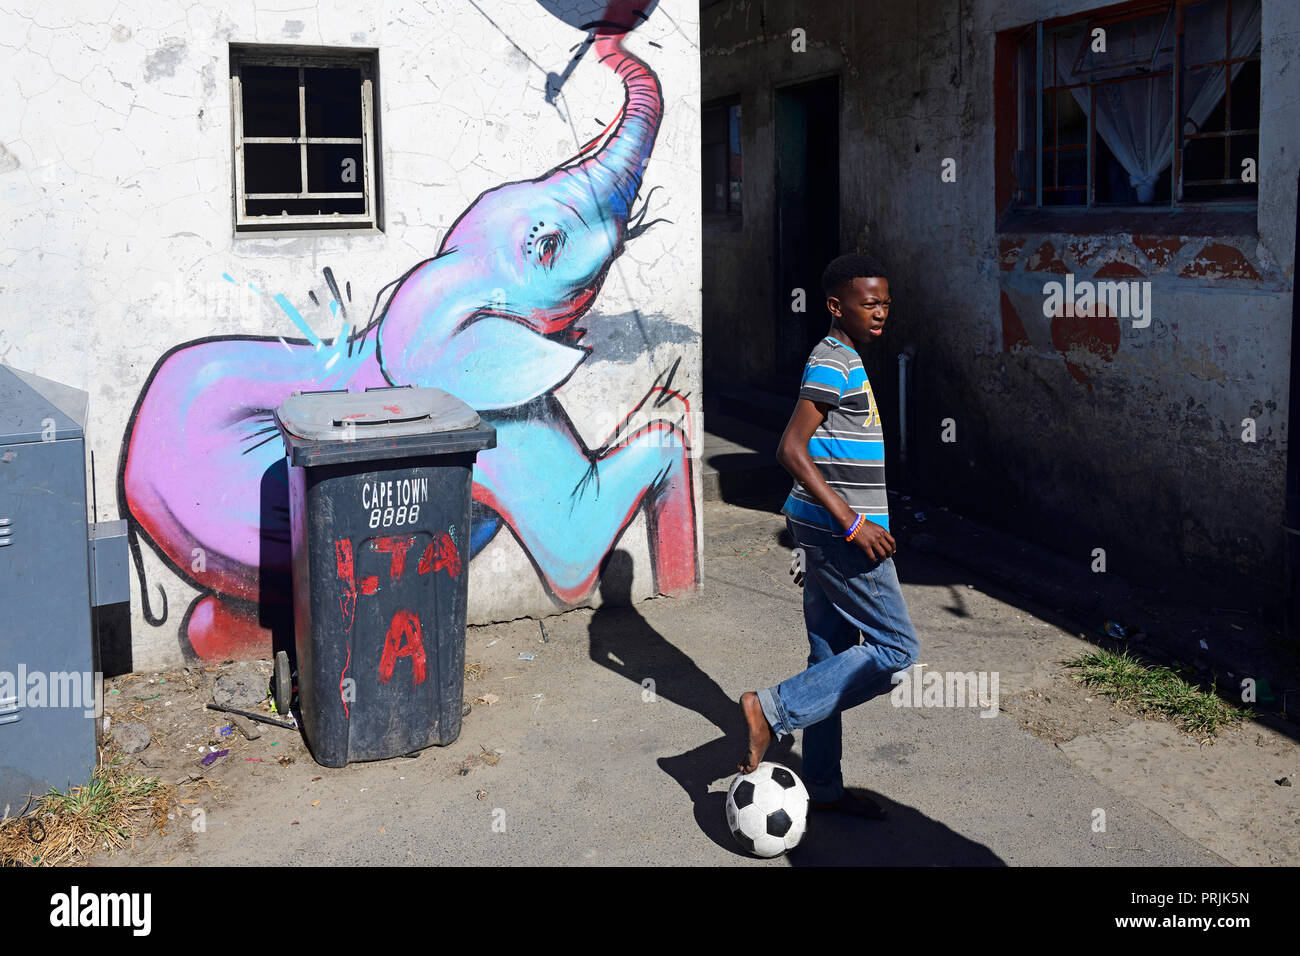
(548, 248)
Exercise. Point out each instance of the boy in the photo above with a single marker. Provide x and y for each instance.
(838, 514)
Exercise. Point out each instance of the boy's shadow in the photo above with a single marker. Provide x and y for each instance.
(622, 640)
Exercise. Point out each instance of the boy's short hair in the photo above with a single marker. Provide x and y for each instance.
(847, 268)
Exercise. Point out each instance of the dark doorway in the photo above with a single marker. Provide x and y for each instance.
(807, 213)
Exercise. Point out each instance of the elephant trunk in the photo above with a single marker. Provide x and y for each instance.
(615, 170)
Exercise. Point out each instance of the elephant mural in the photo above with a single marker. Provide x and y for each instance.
(490, 319)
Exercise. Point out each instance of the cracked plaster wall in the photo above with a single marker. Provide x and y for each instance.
(1133, 446)
(115, 173)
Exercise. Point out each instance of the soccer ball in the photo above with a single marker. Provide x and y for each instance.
(767, 810)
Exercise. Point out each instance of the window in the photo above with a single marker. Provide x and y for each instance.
(1146, 104)
(721, 163)
(304, 139)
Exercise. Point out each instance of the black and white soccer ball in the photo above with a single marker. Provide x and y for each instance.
(767, 810)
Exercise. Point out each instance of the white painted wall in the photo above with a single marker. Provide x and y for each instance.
(116, 183)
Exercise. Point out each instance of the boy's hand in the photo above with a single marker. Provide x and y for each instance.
(875, 541)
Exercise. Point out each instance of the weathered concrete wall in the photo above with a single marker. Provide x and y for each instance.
(122, 276)
(1080, 433)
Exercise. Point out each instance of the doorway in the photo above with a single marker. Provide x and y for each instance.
(807, 217)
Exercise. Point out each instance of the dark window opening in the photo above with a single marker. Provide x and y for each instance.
(304, 138)
(721, 160)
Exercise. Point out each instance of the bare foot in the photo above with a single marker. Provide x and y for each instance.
(760, 734)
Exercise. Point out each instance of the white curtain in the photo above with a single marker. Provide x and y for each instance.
(1135, 117)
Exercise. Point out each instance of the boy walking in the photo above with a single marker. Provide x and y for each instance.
(859, 632)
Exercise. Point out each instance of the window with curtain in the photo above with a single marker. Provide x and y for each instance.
(1154, 104)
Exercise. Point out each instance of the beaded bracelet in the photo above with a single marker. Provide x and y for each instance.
(857, 526)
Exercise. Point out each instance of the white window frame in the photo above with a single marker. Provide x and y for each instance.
(302, 59)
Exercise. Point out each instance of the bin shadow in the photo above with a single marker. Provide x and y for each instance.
(275, 553)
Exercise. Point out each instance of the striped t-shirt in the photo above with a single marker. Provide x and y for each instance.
(848, 448)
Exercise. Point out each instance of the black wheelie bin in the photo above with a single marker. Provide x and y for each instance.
(379, 509)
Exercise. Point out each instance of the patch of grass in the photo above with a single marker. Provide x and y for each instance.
(1157, 690)
(65, 828)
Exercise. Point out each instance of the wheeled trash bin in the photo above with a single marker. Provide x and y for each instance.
(379, 510)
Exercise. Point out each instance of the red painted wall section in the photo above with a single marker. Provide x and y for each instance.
(1014, 335)
(1009, 251)
(1159, 250)
(1220, 261)
(1123, 258)
(1045, 259)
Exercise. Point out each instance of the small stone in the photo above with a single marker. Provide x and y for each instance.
(247, 728)
(131, 737)
(239, 690)
(1285, 782)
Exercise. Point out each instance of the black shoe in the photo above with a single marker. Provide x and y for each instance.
(852, 804)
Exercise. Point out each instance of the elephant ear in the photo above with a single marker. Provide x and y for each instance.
(495, 363)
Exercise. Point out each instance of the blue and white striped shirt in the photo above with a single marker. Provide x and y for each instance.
(848, 448)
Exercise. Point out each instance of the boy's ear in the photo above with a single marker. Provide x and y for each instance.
(833, 304)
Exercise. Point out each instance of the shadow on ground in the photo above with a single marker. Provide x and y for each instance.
(621, 640)
(1172, 626)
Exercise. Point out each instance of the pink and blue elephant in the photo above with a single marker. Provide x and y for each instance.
(491, 319)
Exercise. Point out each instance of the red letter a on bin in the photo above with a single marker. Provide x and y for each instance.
(441, 553)
(405, 625)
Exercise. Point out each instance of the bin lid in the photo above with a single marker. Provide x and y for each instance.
(33, 408)
(374, 413)
(339, 427)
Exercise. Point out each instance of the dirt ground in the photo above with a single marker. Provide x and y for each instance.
(589, 767)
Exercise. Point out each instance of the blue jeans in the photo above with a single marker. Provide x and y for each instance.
(846, 595)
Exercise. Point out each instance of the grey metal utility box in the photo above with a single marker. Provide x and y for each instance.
(49, 682)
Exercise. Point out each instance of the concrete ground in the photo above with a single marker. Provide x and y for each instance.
(574, 758)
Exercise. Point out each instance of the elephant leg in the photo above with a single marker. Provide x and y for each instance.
(222, 629)
(664, 415)
(567, 509)
(672, 529)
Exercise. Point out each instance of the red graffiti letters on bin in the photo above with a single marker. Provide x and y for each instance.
(405, 625)
(405, 637)
(441, 553)
(348, 599)
(397, 547)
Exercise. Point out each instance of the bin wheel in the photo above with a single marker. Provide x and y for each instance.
(283, 683)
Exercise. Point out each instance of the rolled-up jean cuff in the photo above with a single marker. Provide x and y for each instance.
(775, 713)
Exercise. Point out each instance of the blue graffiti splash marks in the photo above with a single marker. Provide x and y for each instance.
(287, 308)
